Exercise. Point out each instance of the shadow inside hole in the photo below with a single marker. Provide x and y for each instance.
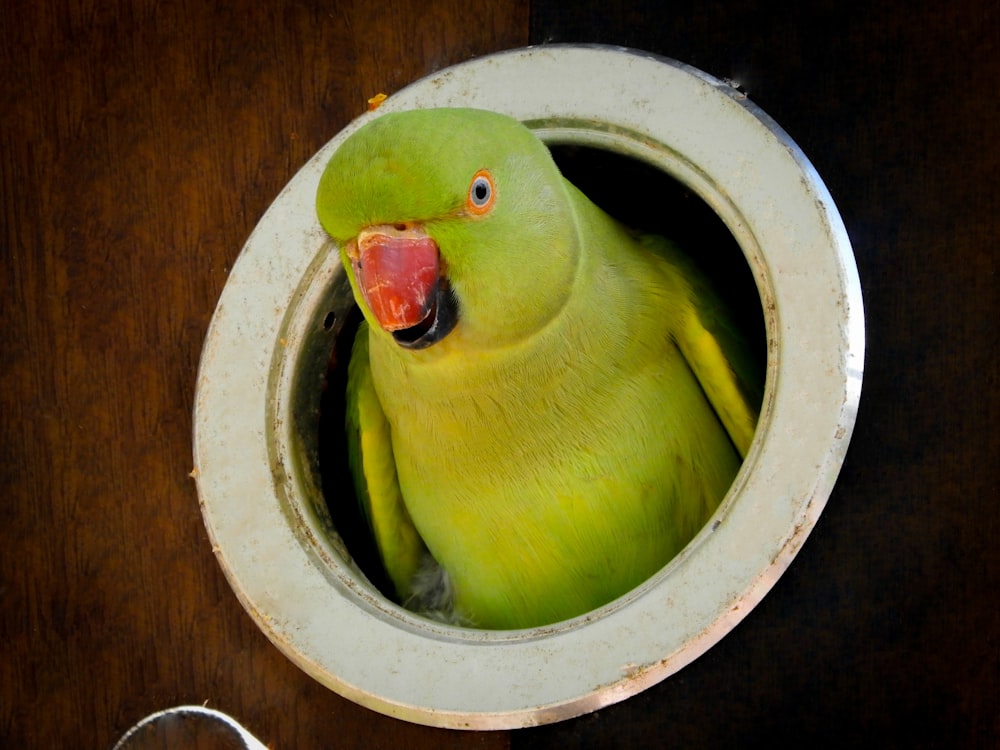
(335, 478)
(647, 199)
(637, 194)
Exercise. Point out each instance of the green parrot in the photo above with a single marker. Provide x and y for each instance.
(543, 407)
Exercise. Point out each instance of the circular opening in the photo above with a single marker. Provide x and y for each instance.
(258, 470)
(638, 193)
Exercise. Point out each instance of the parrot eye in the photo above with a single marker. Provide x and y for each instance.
(481, 193)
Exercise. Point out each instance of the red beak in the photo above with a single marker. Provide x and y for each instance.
(397, 271)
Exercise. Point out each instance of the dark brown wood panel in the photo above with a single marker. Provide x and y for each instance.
(139, 145)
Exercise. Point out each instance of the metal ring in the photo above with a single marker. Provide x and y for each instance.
(257, 491)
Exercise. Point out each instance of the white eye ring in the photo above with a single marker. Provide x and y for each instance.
(481, 192)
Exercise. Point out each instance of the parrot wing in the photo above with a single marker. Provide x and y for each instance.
(373, 466)
(716, 352)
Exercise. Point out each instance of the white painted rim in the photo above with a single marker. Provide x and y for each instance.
(293, 579)
(135, 737)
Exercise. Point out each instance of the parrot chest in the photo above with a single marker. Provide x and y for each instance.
(559, 484)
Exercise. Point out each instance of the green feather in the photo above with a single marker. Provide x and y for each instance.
(585, 416)
(373, 467)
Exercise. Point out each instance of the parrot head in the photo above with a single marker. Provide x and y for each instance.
(453, 224)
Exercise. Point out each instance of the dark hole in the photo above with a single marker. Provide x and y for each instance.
(639, 195)
(334, 468)
(646, 198)
(329, 320)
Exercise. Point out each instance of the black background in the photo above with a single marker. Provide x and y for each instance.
(884, 629)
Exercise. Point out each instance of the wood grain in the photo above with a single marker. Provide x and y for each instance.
(140, 144)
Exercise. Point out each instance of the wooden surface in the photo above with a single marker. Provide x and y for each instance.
(140, 144)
